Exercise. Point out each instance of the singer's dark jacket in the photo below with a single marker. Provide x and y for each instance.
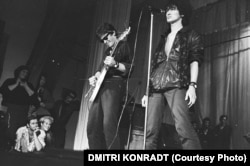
(187, 47)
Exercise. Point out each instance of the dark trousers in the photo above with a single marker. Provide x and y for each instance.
(179, 111)
(103, 116)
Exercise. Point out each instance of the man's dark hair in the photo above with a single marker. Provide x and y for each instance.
(19, 69)
(206, 120)
(31, 117)
(42, 75)
(45, 75)
(222, 117)
(66, 92)
(105, 28)
(184, 8)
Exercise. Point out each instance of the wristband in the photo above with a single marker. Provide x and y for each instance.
(194, 84)
(116, 65)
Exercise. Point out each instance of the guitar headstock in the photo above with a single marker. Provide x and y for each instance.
(124, 33)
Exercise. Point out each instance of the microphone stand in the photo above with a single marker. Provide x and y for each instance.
(148, 77)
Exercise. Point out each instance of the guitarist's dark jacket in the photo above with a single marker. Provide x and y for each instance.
(121, 55)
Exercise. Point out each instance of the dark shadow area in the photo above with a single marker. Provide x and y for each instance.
(49, 157)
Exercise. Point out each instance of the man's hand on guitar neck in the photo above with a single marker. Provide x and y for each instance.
(93, 79)
(110, 61)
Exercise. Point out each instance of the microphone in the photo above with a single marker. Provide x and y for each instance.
(155, 10)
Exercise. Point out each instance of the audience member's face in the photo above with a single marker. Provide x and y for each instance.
(207, 123)
(46, 125)
(33, 125)
(69, 98)
(23, 74)
(172, 14)
(42, 81)
(224, 121)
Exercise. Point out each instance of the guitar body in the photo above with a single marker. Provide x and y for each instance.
(98, 84)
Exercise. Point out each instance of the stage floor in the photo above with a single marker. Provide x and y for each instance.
(50, 157)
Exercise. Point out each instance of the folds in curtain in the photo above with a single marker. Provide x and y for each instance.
(40, 53)
(224, 75)
(229, 78)
(116, 12)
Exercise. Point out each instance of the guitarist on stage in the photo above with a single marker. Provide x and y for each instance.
(105, 110)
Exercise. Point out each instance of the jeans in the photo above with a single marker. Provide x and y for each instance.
(179, 110)
(103, 116)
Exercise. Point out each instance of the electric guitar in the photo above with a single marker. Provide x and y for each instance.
(95, 89)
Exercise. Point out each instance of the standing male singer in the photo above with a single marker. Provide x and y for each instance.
(105, 110)
(174, 76)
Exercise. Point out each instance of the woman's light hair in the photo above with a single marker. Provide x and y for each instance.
(50, 118)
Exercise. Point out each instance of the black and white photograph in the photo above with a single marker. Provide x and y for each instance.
(96, 81)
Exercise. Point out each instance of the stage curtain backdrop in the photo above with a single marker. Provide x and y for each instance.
(116, 12)
(224, 75)
(41, 52)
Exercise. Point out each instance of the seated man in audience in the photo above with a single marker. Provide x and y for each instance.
(30, 138)
(222, 134)
(206, 134)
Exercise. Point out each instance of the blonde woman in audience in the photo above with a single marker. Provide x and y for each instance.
(45, 124)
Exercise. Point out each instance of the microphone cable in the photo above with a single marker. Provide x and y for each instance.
(127, 82)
